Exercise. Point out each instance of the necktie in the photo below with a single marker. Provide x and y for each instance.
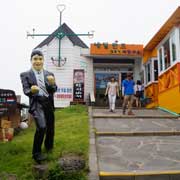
(41, 85)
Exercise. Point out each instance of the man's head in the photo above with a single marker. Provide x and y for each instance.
(37, 60)
(129, 76)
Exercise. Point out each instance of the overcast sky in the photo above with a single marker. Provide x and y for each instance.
(128, 21)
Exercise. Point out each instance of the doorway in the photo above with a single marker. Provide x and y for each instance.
(101, 80)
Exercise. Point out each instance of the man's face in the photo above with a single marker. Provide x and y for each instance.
(129, 77)
(37, 62)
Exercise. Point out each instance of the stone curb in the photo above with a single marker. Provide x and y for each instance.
(130, 116)
(93, 164)
(147, 133)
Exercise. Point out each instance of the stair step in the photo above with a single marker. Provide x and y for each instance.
(145, 133)
(139, 113)
(134, 117)
(110, 176)
(137, 126)
(121, 157)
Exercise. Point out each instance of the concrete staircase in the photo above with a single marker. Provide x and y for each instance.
(141, 147)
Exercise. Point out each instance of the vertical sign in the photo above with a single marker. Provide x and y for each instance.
(78, 85)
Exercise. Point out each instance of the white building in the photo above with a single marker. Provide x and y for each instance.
(87, 70)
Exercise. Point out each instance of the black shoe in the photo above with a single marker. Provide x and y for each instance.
(39, 157)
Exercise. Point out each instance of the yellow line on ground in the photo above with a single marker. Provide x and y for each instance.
(135, 173)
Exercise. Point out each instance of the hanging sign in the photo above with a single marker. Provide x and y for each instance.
(78, 85)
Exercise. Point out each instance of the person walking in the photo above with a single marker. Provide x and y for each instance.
(112, 90)
(39, 85)
(138, 93)
(128, 94)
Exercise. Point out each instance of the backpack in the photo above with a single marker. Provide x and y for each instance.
(138, 94)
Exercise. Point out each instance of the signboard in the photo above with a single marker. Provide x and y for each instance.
(63, 93)
(78, 85)
(116, 49)
(63, 96)
(8, 103)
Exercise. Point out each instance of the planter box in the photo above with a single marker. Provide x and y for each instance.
(5, 124)
(6, 134)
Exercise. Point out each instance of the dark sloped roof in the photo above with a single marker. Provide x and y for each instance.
(66, 30)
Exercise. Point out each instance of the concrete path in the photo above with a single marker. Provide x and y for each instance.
(139, 113)
(142, 147)
(133, 125)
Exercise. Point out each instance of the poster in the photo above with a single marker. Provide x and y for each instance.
(8, 102)
(63, 93)
(78, 85)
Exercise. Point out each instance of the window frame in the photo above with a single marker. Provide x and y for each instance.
(175, 32)
(153, 60)
(152, 77)
(149, 62)
(173, 35)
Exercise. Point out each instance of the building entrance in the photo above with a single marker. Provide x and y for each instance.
(101, 80)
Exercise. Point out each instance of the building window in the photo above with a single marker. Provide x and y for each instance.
(173, 46)
(148, 72)
(167, 59)
(155, 70)
(167, 52)
(160, 59)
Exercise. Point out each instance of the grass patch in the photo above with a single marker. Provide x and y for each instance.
(71, 137)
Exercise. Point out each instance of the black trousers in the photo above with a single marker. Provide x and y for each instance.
(44, 119)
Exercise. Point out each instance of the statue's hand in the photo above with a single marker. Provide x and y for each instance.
(34, 89)
(51, 79)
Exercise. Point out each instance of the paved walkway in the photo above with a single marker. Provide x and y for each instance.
(142, 147)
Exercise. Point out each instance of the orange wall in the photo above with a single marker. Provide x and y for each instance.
(170, 99)
(151, 91)
(169, 89)
(149, 54)
(170, 78)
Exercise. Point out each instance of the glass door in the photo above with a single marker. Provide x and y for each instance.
(101, 80)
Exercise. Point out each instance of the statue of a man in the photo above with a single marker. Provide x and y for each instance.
(39, 85)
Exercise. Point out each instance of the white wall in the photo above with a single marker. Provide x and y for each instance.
(64, 74)
(137, 69)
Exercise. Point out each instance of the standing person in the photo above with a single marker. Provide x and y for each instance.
(138, 93)
(128, 94)
(39, 85)
(112, 90)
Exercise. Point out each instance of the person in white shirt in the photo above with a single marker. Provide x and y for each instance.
(138, 93)
(112, 90)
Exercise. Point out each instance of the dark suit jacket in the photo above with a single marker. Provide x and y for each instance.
(28, 79)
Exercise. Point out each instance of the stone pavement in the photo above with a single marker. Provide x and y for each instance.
(142, 147)
(137, 125)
